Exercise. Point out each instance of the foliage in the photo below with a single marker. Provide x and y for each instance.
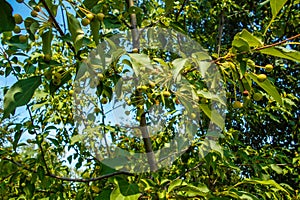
(43, 155)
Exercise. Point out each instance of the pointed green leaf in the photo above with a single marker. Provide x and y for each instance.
(20, 94)
(7, 22)
(268, 87)
(276, 6)
(76, 31)
(282, 52)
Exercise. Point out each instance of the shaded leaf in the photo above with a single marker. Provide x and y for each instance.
(20, 94)
(47, 39)
(7, 22)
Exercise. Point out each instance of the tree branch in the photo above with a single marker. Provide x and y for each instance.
(56, 25)
(72, 179)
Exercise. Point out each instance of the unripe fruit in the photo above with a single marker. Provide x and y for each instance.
(193, 116)
(18, 18)
(71, 92)
(20, 1)
(22, 38)
(100, 16)
(269, 68)
(34, 13)
(90, 16)
(166, 93)
(57, 76)
(250, 63)
(37, 8)
(47, 58)
(97, 110)
(85, 21)
(104, 100)
(17, 29)
(246, 93)
(257, 96)
(100, 76)
(261, 77)
(144, 87)
(237, 104)
(135, 50)
(127, 112)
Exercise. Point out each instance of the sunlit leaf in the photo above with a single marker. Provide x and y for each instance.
(282, 52)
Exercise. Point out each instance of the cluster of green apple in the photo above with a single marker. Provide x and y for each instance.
(19, 20)
(257, 96)
(90, 17)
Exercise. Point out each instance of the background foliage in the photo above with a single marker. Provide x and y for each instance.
(42, 48)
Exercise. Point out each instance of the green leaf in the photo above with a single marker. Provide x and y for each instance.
(31, 26)
(7, 22)
(276, 168)
(175, 184)
(139, 60)
(192, 190)
(20, 94)
(282, 52)
(266, 182)
(178, 64)
(76, 31)
(15, 42)
(214, 116)
(268, 87)
(95, 27)
(125, 190)
(276, 6)
(47, 39)
(250, 39)
(240, 44)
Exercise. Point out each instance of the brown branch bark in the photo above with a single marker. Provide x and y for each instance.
(56, 25)
(143, 125)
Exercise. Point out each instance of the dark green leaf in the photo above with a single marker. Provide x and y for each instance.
(47, 39)
(20, 94)
(7, 22)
